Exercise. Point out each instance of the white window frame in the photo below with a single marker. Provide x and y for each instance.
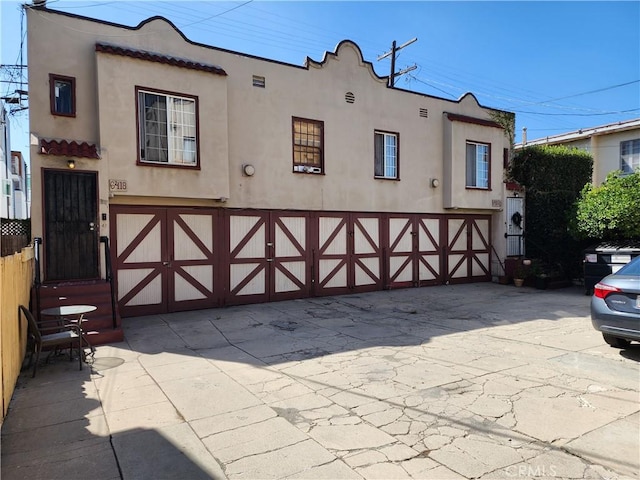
(630, 156)
(386, 155)
(478, 165)
(177, 136)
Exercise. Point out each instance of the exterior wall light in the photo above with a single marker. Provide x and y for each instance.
(435, 183)
(71, 164)
(248, 170)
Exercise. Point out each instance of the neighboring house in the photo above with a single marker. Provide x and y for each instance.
(19, 186)
(614, 147)
(5, 168)
(221, 178)
(14, 175)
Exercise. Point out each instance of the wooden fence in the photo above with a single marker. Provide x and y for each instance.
(16, 280)
(16, 234)
(11, 244)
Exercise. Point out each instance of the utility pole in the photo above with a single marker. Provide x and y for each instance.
(393, 52)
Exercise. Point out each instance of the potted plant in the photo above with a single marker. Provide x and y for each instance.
(549, 276)
(522, 271)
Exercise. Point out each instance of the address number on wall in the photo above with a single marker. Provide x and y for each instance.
(117, 185)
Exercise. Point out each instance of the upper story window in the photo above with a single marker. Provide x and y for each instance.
(62, 95)
(308, 145)
(478, 157)
(167, 128)
(15, 165)
(630, 156)
(385, 155)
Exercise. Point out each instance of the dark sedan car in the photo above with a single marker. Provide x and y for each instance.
(615, 306)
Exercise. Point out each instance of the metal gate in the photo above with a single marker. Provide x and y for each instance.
(414, 251)
(468, 248)
(70, 225)
(165, 259)
(515, 226)
(268, 256)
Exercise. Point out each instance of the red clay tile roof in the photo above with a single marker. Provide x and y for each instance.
(154, 57)
(65, 148)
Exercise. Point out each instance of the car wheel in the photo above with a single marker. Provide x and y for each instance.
(615, 341)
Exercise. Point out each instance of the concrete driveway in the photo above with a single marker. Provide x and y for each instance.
(469, 381)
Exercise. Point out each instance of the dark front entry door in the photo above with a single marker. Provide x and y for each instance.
(70, 225)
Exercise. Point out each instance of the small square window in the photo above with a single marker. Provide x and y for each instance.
(62, 95)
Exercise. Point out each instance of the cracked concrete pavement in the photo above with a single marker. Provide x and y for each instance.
(470, 381)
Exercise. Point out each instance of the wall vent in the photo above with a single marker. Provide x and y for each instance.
(424, 113)
(258, 81)
(349, 97)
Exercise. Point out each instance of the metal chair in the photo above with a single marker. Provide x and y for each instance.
(51, 334)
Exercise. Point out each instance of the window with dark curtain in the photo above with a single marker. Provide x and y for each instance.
(153, 127)
(62, 95)
(386, 155)
(379, 155)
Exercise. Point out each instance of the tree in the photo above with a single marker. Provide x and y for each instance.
(610, 211)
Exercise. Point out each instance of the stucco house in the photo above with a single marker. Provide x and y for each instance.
(14, 199)
(220, 178)
(615, 146)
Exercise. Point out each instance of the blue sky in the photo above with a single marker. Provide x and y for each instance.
(560, 66)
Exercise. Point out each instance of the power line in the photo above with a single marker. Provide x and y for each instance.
(217, 14)
(592, 91)
(580, 114)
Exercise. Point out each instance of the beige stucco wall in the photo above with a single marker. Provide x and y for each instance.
(118, 77)
(606, 153)
(241, 124)
(455, 193)
(319, 94)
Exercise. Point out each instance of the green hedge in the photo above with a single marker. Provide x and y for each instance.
(553, 177)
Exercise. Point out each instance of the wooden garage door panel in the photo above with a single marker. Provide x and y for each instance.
(290, 270)
(468, 248)
(268, 255)
(139, 244)
(150, 292)
(247, 236)
(164, 259)
(192, 258)
(332, 270)
(415, 254)
(366, 261)
(193, 237)
(430, 251)
(247, 257)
